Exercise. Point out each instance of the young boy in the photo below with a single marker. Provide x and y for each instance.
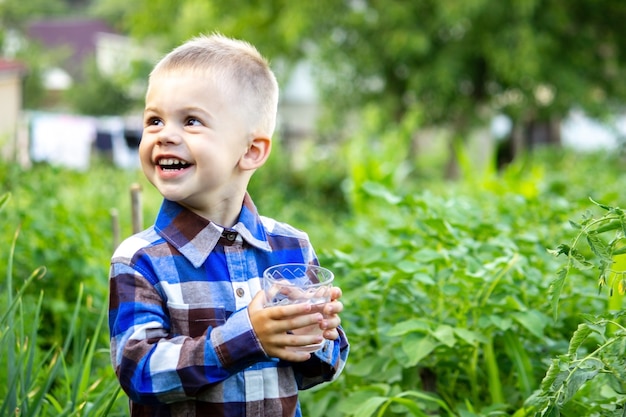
(189, 332)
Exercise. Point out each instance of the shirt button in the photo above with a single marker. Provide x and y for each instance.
(240, 292)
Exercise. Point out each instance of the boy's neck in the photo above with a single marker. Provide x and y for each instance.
(224, 213)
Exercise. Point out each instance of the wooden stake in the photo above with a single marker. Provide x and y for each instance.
(135, 200)
(115, 226)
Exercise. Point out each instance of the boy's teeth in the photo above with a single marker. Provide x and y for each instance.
(169, 161)
(172, 163)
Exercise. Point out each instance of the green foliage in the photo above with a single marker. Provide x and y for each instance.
(70, 238)
(436, 281)
(37, 59)
(593, 373)
(98, 95)
(15, 13)
(447, 294)
(378, 154)
(446, 285)
(316, 183)
(586, 380)
(55, 381)
(547, 57)
(602, 251)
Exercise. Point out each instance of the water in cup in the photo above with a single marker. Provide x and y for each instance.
(287, 284)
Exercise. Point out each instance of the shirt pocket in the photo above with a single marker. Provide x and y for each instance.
(194, 319)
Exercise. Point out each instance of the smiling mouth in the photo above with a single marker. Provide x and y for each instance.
(172, 164)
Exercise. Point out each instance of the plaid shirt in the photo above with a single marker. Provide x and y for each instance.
(181, 339)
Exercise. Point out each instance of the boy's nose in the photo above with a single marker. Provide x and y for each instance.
(169, 135)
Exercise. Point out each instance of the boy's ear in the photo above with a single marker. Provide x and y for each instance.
(258, 151)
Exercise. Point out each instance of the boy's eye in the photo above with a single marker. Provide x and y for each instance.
(154, 121)
(192, 121)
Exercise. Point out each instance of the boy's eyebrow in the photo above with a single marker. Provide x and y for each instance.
(149, 109)
(196, 109)
(190, 109)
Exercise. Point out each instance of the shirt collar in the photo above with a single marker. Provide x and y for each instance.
(195, 237)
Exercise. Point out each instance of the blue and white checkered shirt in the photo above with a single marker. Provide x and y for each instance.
(181, 339)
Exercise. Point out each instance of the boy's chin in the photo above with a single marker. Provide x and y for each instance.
(171, 193)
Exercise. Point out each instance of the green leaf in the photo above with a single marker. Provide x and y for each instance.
(412, 406)
(364, 368)
(378, 190)
(605, 207)
(470, 336)
(562, 249)
(417, 348)
(598, 247)
(369, 407)
(551, 411)
(575, 225)
(553, 372)
(515, 350)
(608, 226)
(4, 199)
(531, 320)
(427, 397)
(579, 260)
(409, 326)
(579, 336)
(445, 334)
(424, 279)
(350, 404)
(502, 323)
(556, 286)
(427, 256)
(409, 266)
(581, 375)
(440, 226)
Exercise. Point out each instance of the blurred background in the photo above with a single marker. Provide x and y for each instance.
(439, 153)
(498, 77)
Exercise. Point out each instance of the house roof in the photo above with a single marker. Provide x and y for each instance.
(77, 34)
(7, 65)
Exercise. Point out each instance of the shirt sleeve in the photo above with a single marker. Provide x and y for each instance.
(155, 365)
(325, 365)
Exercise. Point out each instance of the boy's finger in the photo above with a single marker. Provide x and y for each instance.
(292, 310)
(335, 293)
(334, 307)
(331, 334)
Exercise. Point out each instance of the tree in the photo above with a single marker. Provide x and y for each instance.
(14, 17)
(459, 61)
(15, 13)
(464, 61)
(98, 95)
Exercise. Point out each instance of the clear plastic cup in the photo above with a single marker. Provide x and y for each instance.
(296, 283)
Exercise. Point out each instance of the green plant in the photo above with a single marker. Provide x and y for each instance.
(603, 254)
(590, 379)
(446, 285)
(65, 224)
(54, 381)
(98, 94)
(446, 293)
(440, 282)
(593, 370)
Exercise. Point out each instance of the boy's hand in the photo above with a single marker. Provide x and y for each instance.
(273, 325)
(331, 315)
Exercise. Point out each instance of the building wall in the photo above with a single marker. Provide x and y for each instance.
(10, 108)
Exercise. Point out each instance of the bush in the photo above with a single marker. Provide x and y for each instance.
(64, 379)
(450, 289)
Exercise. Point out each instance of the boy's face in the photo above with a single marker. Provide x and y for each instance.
(193, 139)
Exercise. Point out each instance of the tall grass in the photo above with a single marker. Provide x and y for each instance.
(57, 381)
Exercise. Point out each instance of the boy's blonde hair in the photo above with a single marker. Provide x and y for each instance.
(237, 67)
